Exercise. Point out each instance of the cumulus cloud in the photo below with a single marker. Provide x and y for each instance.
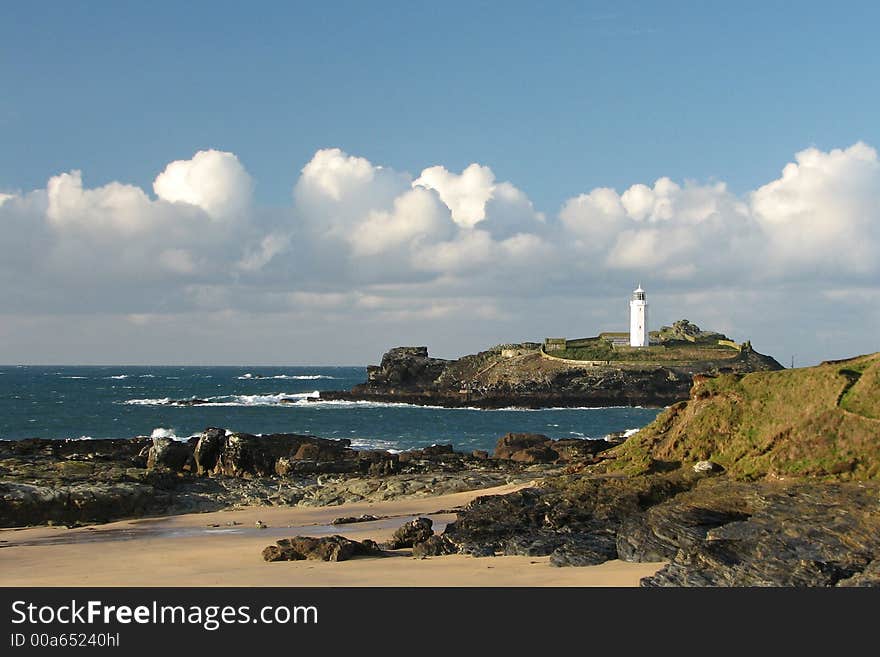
(465, 194)
(362, 240)
(212, 180)
(824, 211)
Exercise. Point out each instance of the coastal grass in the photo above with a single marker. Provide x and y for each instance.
(678, 351)
(817, 421)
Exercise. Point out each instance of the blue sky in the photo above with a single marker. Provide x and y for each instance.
(206, 180)
(557, 98)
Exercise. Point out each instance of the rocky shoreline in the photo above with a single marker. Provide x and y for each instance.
(71, 482)
(770, 479)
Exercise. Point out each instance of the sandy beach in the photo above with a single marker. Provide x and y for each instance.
(223, 549)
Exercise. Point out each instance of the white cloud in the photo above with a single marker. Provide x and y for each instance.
(415, 215)
(824, 211)
(113, 207)
(465, 194)
(363, 241)
(212, 180)
(334, 173)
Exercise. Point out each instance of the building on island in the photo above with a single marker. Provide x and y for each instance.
(638, 319)
(638, 335)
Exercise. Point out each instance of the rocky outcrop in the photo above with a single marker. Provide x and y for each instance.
(739, 534)
(434, 546)
(170, 453)
(81, 481)
(325, 548)
(538, 448)
(406, 366)
(348, 520)
(572, 519)
(713, 530)
(414, 531)
(504, 376)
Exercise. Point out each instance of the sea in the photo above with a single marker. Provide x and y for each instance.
(94, 402)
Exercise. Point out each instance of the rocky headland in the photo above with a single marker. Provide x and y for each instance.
(596, 371)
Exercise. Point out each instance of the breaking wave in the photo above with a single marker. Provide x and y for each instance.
(289, 377)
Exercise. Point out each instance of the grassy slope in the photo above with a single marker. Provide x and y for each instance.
(822, 421)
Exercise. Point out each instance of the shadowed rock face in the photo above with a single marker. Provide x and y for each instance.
(767, 535)
(714, 531)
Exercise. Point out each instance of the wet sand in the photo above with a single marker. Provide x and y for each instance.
(223, 549)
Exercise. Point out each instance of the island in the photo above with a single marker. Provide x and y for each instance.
(605, 370)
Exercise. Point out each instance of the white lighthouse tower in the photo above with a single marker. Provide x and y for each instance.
(638, 319)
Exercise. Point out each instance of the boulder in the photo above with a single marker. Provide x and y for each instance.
(325, 548)
(345, 520)
(434, 546)
(207, 450)
(537, 454)
(415, 531)
(171, 454)
(511, 443)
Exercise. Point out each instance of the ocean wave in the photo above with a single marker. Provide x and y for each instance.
(146, 376)
(74, 377)
(118, 377)
(375, 443)
(630, 432)
(287, 377)
(162, 432)
(164, 401)
(275, 399)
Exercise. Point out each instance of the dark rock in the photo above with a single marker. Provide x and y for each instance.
(406, 366)
(869, 577)
(434, 546)
(407, 535)
(325, 548)
(171, 454)
(345, 520)
(538, 454)
(207, 450)
(802, 534)
(511, 443)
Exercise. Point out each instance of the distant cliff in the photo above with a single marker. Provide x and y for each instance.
(596, 371)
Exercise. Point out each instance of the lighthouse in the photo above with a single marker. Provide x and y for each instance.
(638, 319)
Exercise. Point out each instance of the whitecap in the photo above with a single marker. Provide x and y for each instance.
(118, 377)
(285, 377)
(375, 443)
(148, 402)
